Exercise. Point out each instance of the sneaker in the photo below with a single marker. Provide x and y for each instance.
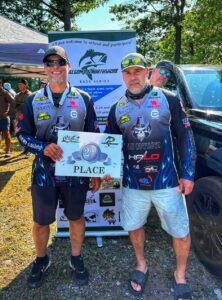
(7, 154)
(80, 273)
(40, 266)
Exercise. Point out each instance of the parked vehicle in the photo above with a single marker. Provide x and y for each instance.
(200, 89)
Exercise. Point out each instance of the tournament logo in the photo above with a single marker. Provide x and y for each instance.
(90, 60)
(110, 140)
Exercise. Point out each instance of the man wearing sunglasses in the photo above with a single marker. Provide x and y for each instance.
(148, 118)
(57, 106)
(161, 73)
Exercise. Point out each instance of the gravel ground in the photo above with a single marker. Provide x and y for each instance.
(109, 269)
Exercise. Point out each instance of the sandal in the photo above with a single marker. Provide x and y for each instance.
(80, 273)
(181, 291)
(139, 278)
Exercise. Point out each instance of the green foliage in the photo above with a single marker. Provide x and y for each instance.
(47, 15)
(180, 31)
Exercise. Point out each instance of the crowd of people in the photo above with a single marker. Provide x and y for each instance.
(155, 118)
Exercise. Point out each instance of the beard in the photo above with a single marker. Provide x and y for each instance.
(57, 80)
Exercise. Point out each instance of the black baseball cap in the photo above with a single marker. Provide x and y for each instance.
(165, 64)
(55, 50)
(24, 81)
(133, 60)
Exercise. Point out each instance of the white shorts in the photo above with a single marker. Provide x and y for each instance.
(170, 206)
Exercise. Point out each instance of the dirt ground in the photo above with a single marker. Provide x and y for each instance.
(109, 266)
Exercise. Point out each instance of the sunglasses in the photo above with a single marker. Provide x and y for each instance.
(164, 72)
(60, 62)
(132, 62)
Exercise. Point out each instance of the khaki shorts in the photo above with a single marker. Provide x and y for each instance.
(170, 206)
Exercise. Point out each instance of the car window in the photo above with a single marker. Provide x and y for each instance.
(205, 87)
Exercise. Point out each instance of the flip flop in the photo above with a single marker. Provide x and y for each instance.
(139, 278)
(181, 291)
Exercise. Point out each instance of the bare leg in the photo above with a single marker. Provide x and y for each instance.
(181, 248)
(40, 236)
(77, 233)
(137, 238)
(7, 141)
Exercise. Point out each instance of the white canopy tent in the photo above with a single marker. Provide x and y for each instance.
(21, 50)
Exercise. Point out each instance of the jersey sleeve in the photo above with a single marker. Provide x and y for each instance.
(111, 124)
(26, 130)
(181, 129)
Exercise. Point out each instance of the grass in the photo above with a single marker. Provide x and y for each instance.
(109, 266)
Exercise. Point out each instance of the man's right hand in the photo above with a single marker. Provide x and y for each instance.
(53, 151)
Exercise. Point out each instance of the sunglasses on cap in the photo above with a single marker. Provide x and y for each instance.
(60, 62)
(165, 72)
(132, 62)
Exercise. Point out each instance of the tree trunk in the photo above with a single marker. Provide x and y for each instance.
(178, 29)
(67, 18)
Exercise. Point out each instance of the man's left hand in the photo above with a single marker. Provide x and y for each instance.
(185, 186)
(95, 184)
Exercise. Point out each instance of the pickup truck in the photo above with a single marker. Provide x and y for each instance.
(200, 89)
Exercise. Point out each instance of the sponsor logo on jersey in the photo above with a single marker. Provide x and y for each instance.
(186, 122)
(73, 114)
(41, 98)
(123, 119)
(153, 104)
(143, 146)
(146, 181)
(154, 114)
(43, 116)
(123, 103)
(151, 169)
(144, 157)
(21, 116)
(154, 94)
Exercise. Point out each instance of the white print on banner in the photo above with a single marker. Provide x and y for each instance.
(91, 217)
(109, 216)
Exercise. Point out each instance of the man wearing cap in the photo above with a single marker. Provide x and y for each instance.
(161, 73)
(22, 95)
(148, 117)
(58, 106)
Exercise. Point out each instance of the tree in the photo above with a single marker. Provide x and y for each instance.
(47, 15)
(155, 19)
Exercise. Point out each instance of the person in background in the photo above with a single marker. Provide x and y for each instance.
(7, 86)
(59, 106)
(42, 84)
(161, 73)
(6, 101)
(148, 117)
(21, 96)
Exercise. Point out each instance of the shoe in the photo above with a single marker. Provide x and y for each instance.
(40, 266)
(7, 154)
(80, 273)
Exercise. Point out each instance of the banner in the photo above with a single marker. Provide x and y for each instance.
(95, 59)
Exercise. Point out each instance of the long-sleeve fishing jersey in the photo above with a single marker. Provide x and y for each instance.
(149, 130)
(39, 121)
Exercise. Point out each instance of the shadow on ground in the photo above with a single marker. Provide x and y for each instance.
(110, 267)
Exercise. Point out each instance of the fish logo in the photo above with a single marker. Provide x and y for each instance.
(92, 59)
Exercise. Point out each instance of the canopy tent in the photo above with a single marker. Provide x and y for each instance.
(21, 50)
